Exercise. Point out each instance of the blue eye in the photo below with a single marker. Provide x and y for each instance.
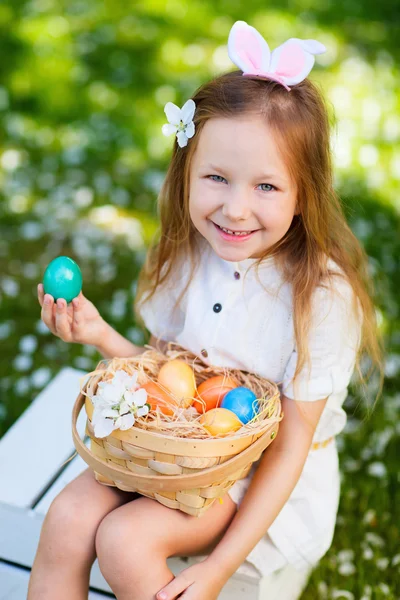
(270, 185)
(220, 177)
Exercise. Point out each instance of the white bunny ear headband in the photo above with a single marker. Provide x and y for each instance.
(288, 64)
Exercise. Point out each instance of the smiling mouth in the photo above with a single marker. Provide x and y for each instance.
(234, 231)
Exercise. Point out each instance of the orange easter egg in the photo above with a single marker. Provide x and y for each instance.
(220, 420)
(156, 396)
(178, 377)
(212, 391)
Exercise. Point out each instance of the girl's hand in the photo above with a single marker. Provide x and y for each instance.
(200, 581)
(79, 322)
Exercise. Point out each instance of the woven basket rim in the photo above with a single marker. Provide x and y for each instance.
(166, 482)
(222, 441)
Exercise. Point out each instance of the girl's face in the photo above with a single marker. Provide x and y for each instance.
(238, 181)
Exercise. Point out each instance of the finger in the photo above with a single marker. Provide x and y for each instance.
(62, 326)
(173, 589)
(78, 312)
(186, 594)
(47, 312)
(40, 292)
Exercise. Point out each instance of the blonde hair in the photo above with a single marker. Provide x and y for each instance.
(300, 123)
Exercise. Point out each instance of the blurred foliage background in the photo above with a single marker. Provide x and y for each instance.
(83, 84)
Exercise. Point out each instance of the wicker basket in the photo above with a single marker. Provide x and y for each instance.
(181, 473)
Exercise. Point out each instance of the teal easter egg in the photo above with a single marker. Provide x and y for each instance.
(62, 279)
(242, 402)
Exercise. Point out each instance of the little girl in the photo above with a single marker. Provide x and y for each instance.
(255, 269)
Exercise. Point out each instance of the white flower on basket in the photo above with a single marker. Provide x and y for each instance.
(117, 403)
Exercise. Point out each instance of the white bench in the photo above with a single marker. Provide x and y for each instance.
(31, 476)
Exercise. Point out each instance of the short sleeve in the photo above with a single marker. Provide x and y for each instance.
(159, 314)
(333, 342)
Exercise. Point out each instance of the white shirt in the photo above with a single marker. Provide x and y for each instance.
(244, 326)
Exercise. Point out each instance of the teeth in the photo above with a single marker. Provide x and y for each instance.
(235, 232)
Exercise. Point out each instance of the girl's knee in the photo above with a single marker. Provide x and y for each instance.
(125, 543)
(68, 533)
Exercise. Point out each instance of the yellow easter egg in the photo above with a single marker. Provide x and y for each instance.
(220, 421)
(178, 377)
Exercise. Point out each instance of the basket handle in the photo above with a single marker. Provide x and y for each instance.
(168, 483)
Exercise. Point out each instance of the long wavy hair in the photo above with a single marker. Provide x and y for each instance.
(300, 124)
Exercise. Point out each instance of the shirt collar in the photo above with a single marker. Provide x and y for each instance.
(245, 264)
(241, 266)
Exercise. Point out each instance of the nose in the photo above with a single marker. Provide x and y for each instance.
(237, 206)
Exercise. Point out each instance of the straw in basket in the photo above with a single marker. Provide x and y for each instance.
(176, 462)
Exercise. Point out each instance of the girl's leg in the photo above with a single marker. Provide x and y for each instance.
(66, 549)
(135, 540)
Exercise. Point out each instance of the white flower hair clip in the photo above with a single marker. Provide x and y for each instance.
(180, 121)
(288, 64)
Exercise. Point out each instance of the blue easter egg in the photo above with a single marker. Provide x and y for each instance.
(241, 401)
(62, 279)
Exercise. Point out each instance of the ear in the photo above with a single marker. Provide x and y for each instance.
(297, 210)
(248, 49)
(294, 59)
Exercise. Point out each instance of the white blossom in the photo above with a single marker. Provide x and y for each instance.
(180, 121)
(117, 403)
(342, 594)
(346, 568)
